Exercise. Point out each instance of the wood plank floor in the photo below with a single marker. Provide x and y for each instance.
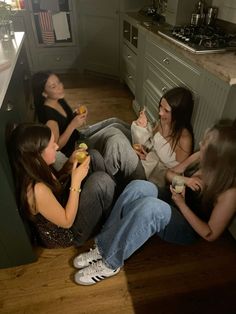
(159, 278)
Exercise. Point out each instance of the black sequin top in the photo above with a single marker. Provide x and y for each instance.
(50, 235)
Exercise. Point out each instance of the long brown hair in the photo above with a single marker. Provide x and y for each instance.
(25, 147)
(180, 99)
(218, 162)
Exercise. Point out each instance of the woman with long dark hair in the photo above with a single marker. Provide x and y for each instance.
(66, 124)
(62, 212)
(156, 149)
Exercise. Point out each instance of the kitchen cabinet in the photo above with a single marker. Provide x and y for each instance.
(99, 28)
(15, 246)
(161, 65)
(56, 47)
(161, 70)
(130, 41)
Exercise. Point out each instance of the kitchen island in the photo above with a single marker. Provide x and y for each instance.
(15, 246)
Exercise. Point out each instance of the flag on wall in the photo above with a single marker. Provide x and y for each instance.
(46, 25)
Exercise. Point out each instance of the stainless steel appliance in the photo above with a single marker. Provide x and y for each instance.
(201, 39)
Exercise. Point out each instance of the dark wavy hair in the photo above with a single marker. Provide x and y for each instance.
(218, 163)
(180, 99)
(25, 146)
(39, 81)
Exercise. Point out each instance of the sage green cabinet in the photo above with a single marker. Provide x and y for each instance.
(15, 246)
(159, 67)
(130, 43)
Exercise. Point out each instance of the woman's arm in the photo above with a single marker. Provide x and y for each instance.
(180, 168)
(61, 139)
(48, 206)
(220, 218)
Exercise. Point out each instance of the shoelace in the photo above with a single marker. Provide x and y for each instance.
(91, 255)
(95, 267)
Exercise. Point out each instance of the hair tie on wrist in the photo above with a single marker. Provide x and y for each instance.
(78, 190)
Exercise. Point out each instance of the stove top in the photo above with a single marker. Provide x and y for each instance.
(201, 39)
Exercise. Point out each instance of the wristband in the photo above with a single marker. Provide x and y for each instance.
(78, 190)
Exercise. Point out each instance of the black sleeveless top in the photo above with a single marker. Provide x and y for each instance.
(48, 113)
(47, 233)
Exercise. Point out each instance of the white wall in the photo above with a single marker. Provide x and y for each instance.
(227, 10)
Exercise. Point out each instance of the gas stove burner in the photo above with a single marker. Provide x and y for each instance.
(201, 39)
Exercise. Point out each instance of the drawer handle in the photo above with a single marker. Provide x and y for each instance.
(129, 56)
(164, 89)
(130, 77)
(9, 106)
(58, 58)
(135, 38)
(166, 61)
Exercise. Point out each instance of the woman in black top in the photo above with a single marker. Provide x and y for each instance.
(53, 110)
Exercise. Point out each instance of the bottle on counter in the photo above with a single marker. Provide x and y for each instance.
(198, 16)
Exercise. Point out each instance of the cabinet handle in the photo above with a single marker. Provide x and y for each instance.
(130, 77)
(135, 38)
(128, 56)
(9, 106)
(58, 58)
(166, 61)
(164, 89)
(126, 31)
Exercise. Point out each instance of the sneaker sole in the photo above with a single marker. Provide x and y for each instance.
(97, 280)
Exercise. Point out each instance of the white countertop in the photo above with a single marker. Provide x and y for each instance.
(9, 52)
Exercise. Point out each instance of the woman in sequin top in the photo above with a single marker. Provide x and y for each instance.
(60, 214)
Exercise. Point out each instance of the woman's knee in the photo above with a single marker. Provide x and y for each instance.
(101, 182)
(155, 211)
(143, 187)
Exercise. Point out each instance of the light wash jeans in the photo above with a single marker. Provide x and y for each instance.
(136, 216)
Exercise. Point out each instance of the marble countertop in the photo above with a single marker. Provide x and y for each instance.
(9, 52)
(222, 65)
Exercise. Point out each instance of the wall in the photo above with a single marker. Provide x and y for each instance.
(227, 10)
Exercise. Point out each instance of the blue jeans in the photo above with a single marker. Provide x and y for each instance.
(136, 216)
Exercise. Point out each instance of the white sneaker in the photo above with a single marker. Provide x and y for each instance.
(94, 273)
(86, 259)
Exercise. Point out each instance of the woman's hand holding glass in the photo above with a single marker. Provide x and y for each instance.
(78, 173)
(142, 120)
(80, 116)
(178, 198)
(140, 151)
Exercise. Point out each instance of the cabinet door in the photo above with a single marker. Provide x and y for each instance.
(15, 247)
(99, 35)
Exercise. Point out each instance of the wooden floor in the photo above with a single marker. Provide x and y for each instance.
(160, 278)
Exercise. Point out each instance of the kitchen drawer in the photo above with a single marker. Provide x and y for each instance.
(183, 71)
(126, 30)
(129, 56)
(151, 102)
(57, 60)
(129, 75)
(156, 80)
